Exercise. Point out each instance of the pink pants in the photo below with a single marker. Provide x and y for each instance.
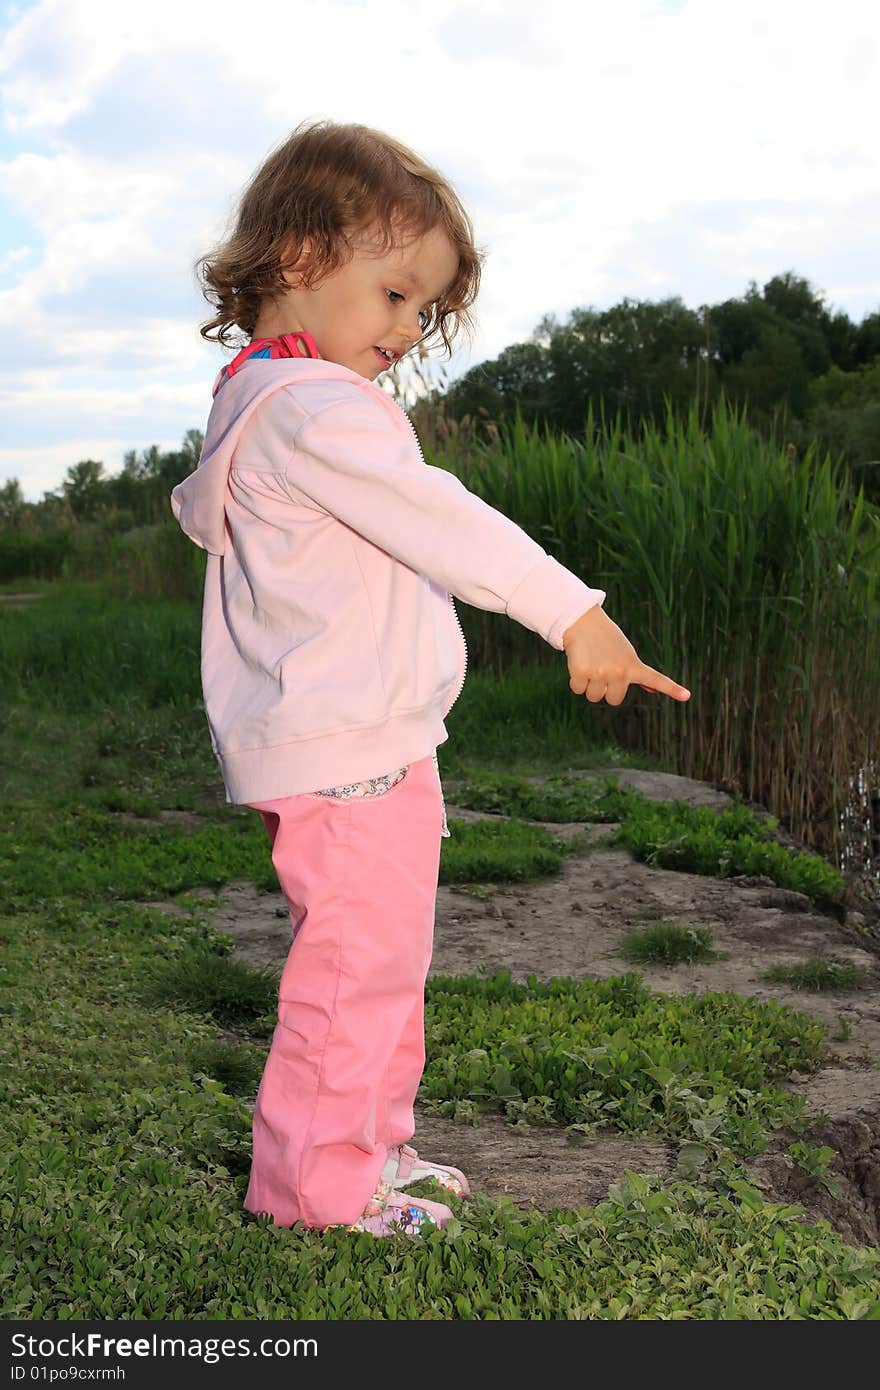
(348, 1052)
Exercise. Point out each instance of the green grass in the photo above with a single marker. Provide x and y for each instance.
(208, 982)
(166, 1240)
(98, 854)
(818, 973)
(160, 756)
(237, 1066)
(667, 943)
(561, 798)
(80, 648)
(125, 1146)
(124, 1161)
(607, 1052)
(88, 855)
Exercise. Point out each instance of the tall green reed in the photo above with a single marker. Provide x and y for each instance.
(147, 562)
(748, 575)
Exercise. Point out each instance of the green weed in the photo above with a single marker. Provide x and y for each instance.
(815, 1161)
(612, 1052)
(206, 982)
(237, 1066)
(666, 943)
(818, 973)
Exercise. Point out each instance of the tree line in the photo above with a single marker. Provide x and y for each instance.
(136, 496)
(801, 372)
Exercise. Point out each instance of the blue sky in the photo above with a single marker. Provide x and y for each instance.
(641, 148)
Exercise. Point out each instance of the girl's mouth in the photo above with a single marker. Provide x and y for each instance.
(386, 361)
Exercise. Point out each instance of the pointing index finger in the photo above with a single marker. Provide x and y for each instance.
(656, 681)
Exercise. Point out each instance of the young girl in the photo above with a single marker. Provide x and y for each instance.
(331, 649)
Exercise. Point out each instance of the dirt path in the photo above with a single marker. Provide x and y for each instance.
(573, 925)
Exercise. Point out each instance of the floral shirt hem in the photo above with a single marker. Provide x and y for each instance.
(375, 786)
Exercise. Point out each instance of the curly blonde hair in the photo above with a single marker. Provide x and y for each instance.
(329, 182)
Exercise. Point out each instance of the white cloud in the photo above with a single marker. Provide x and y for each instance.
(13, 256)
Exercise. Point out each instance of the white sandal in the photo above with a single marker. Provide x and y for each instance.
(403, 1166)
(389, 1211)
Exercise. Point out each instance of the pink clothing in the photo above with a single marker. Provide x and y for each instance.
(304, 345)
(347, 1055)
(331, 654)
(331, 648)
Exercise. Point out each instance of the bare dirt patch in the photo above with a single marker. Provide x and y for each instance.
(573, 925)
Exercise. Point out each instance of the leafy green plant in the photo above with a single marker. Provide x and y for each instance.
(815, 1160)
(536, 1110)
(673, 835)
(500, 852)
(463, 1112)
(667, 834)
(98, 857)
(561, 798)
(614, 1053)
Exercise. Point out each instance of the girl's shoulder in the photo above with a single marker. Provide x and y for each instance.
(333, 410)
(306, 397)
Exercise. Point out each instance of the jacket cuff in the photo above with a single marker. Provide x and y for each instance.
(550, 599)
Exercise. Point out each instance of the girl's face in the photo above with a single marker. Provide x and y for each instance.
(373, 302)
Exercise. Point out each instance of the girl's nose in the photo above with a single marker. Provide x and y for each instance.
(412, 331)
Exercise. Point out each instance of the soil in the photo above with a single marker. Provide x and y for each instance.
(573, 925)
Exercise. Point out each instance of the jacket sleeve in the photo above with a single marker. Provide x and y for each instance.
(351, 460)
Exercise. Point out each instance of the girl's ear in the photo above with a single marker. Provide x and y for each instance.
(292, 274)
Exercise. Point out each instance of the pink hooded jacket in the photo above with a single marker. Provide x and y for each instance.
(331, 648)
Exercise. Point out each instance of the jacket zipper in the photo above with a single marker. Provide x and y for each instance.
(464, 644)
(449, 596)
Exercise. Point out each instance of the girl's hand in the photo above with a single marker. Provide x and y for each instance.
(603, 663)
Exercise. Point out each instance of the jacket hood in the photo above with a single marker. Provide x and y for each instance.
(199, 502)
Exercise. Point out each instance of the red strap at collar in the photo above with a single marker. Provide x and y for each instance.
(287, 345)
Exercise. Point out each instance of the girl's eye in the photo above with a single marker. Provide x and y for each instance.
(423, 313)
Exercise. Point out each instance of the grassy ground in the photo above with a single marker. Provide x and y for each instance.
(130, 1040)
